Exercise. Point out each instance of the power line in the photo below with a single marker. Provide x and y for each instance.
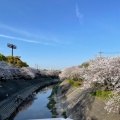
(100, 53)
(111, 53)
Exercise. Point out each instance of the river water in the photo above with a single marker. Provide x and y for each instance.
(36, 108)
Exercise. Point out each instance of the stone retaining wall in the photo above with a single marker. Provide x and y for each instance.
(79, 104)
(8, 105)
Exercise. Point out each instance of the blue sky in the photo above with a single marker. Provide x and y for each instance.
(59, 33)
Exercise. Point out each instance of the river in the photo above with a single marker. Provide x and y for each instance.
(36, 108)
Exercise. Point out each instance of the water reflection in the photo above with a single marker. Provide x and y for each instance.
(35, 108)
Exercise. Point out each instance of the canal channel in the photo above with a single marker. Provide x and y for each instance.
(35, 108)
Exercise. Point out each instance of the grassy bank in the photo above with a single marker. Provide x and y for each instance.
(104, 95)
(74, 83)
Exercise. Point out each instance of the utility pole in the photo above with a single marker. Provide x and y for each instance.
(100, 53)
(36, 66)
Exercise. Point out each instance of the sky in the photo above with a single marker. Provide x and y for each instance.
(58, 34)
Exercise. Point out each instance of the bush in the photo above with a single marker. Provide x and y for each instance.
(2, 58)
(15, 60)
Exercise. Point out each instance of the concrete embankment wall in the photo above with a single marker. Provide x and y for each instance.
(79, 104)
(19, 87)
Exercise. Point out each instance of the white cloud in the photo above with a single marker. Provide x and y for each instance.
(24, 40)
(47, 37)
(14, 29)
(79, 15)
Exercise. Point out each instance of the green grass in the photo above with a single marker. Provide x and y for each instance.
(74, 83)
(70, 81)
(105, 95)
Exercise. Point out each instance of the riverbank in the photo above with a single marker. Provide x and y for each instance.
(35, 108)
(78, 104)
(8, 105)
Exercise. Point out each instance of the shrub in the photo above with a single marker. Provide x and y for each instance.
(2, 58)
(15, 60)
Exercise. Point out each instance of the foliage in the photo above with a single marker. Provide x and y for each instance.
(51, 104)
(2, 58)
(54, 90)
(105, 95)
(13, 60)
(74, 83)
(16, 61)
(70, 81)
(105, 71)
(64, 114)
(85, 64)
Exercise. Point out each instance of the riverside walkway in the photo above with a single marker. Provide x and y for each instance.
(8, 106)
